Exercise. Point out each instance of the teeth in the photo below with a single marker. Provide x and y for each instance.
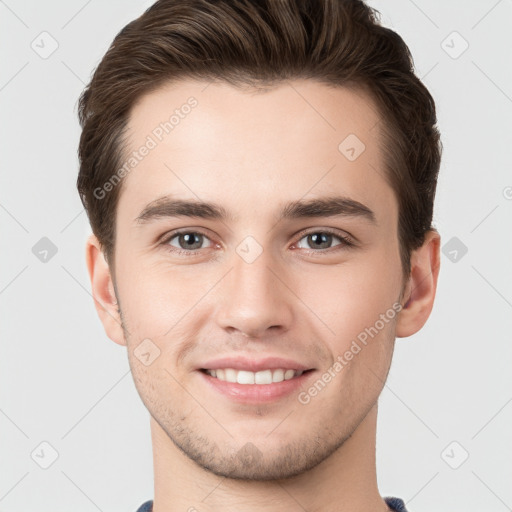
(263, 377)
(278, 376)
(244, 377)
(230, 375)
(247, 377)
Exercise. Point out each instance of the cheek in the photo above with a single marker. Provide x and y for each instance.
(155, 298)
(349, 298)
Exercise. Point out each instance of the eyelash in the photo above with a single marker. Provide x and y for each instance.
(346, 241)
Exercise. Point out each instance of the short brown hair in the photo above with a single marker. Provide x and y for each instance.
(260, 43)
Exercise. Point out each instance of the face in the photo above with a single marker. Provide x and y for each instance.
(236, 312)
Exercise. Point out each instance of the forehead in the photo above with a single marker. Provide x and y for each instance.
(220, 143)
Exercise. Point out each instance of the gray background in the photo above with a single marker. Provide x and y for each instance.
(63, 382)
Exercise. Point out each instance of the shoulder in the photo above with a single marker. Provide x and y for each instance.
(395, 504)
(146, 507)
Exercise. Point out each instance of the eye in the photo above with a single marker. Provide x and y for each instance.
(324, 240)
(191, 242)
(187, 241)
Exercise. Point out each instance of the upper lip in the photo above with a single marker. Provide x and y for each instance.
(254, 365)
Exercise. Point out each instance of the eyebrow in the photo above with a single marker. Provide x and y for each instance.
(167, 206)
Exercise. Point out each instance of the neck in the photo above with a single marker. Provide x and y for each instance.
(345, 481)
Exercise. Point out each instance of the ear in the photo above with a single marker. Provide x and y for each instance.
(103, 291)
(420, 289)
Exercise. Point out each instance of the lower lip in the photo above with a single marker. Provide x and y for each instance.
(256, 393)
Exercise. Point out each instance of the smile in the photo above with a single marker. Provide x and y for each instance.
(247, 377)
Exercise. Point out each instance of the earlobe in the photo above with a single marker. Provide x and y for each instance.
(421, 286)
(103, 292)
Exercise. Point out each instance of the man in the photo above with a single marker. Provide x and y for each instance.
(260, 178)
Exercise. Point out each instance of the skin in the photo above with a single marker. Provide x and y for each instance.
(252, 153)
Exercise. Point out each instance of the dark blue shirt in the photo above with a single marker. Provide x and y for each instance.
(395, 504)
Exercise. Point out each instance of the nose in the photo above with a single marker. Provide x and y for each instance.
(254, 298)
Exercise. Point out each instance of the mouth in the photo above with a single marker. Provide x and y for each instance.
(246, 380)
(249, 380)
